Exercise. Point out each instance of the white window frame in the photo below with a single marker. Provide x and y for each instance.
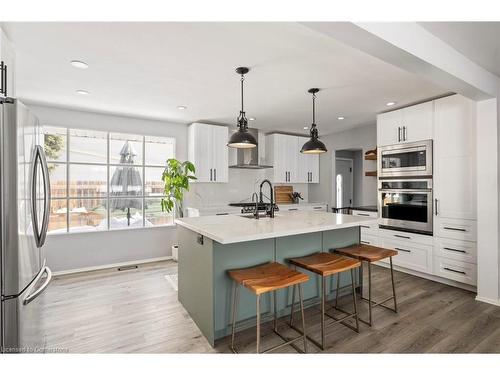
(108, 166)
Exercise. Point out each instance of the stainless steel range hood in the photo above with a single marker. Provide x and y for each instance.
(248, 158)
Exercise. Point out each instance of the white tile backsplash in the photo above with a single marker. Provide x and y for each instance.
(242, 184)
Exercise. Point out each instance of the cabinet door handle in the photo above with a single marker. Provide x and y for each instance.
(293, 209)
(399, 133)
(400, 236)
(221, 214)
(404, 133)
(436, 206)
(405, 250)
(210, 174)
(456, 229)
(3, 76)
(458, 251)
(320, 208)
(359, 214)
(365, 242)
(215, 174)
(452, 270)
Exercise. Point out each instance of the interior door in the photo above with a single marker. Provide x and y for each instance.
(343, 182)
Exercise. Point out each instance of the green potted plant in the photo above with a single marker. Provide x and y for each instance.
(176, 178)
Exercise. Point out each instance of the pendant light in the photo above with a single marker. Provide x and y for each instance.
(242, 138)
(314, 145)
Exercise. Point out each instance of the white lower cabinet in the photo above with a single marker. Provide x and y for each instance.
(460, 229)
(462, 272)
(412, 255)
(463, 251)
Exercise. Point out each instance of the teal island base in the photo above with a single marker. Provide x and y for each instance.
(205, 290)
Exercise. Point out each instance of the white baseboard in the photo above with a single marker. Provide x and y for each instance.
(113, 265)
(491, 301)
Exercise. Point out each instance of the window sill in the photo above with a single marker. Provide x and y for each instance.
(167, 226)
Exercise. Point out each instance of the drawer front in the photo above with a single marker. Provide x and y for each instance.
(404, 236)
(459, 229)
(365, 213)
(455, 270)
(464, 251)
(411, 255)
(369, 228)
(369, 239)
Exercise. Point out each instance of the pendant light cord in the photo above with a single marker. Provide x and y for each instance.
(242, 80)
(314, 109)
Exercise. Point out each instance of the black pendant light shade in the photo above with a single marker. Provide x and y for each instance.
(242, 138)
(313, 145)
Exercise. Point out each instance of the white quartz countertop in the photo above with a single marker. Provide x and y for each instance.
(234, 228)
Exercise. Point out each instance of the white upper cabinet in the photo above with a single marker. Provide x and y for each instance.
(207, 150)
(289, 165)
(7, 59)
(308, 165)
(454, 159)
(408, 124)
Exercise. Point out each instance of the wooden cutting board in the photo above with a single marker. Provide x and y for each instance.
(283, 194)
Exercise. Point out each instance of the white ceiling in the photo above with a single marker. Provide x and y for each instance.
(478, 41)
(148, 69)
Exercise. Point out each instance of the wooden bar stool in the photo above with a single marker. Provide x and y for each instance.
(370, 254)
(261, 279)
(325, 265)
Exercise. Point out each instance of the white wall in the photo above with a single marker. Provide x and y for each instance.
(364, 138)
(83, 250)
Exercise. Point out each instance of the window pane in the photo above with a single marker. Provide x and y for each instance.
(125, 149)
(125, 181)
(57, 176)
(154, 214)
(125, 212)
(153, 184)
(54, 143)
(87, 180)
(57, 219)
(87, 215)
(158, 150)
(88, 146)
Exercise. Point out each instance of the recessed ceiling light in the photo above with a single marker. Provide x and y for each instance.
(181, 107)
(390, 104)
(340, 118)
(82, 92)
(79, 64)
(251, 119)
(306, 127)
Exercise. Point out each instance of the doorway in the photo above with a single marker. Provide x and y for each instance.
(343, 182)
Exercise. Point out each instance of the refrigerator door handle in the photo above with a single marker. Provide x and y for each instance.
(30, 296)
(40, 233)
(46, 197)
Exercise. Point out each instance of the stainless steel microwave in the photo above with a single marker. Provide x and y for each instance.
(405, 160)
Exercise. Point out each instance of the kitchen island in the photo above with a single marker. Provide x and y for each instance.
(211, 245)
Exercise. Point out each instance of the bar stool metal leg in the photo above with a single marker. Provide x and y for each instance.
(354, 300)
(275, 322)
(393, 288)
(303, 317)
(323, 285)
(258, 323)
(236, 289)
(293, 305)
(337, 291)
(370, 292)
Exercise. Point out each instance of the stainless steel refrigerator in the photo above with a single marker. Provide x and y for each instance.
(25, 208)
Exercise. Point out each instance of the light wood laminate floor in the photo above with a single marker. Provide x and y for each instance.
(137, 311)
